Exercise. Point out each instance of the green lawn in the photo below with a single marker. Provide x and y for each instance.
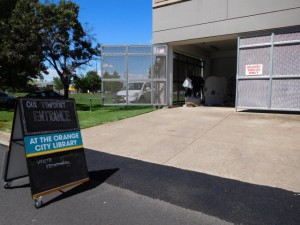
(109, 114)
(6, 118)
(98, 115)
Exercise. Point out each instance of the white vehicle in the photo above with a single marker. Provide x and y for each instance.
(138, 92)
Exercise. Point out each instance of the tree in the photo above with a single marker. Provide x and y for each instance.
(78, 84)
(58, 85)
(112, 86)
(20, 47)
(6, 9)
(91, 82)
(65, 44)
(7, 6)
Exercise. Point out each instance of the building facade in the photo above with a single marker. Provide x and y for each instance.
(246, 51)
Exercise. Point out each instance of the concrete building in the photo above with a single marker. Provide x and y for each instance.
(248, 52)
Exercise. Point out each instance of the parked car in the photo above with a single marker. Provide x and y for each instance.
(7, 100)
(138, 92)
(44, 94)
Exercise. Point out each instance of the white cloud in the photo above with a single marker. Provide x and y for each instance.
(106, 65)
(51, 75)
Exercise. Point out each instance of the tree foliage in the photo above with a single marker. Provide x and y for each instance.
(91, 82)
(112, 86)
(32, 33)
(65, 44)
(58, 85)
(20, 47)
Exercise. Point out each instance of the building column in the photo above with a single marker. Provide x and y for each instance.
(170, 75)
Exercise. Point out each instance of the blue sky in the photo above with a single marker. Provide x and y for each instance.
(115, 22)
(118, 21)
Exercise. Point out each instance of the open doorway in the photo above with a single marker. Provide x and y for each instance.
(213, 59)
(184, 66)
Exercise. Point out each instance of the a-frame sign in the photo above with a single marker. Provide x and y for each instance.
(45, 145)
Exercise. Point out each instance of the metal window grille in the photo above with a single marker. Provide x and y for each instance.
(134, 74)
(268, 72)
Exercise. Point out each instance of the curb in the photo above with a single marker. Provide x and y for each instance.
(4, 138)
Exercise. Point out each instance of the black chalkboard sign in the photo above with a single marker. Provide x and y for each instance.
(48, 115)
(49, 133)
(48, 172)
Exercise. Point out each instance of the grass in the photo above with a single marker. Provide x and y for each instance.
(6, 118)
(99, 114)
(109, 114)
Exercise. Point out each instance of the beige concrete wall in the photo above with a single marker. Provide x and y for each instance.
(206, 18)
(241, 8)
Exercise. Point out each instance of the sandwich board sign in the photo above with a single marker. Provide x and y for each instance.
(46, 145)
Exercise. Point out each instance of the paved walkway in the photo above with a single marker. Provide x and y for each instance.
(258, 148)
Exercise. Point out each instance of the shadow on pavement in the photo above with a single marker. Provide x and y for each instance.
(230, 200)
(270, 112)
(19, 186)
(96, 179)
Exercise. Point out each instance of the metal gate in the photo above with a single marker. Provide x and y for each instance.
(268, 72)
(134, 74)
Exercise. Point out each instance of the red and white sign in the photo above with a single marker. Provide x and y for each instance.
(254, 69)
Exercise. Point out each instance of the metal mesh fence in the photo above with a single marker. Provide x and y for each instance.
(287, 37)
(286, 93)
(114, 67)
(134, 75)
(268, 73)
(255, 40)
(254, 56)
(139, 67)
(252, 93)
(286, 60)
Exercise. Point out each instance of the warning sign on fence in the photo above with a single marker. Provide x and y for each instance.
(254, 69)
